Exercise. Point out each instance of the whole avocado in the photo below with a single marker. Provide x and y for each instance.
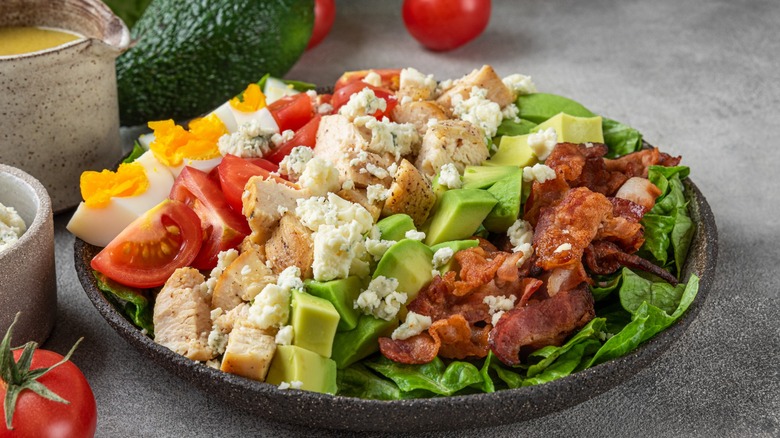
(190, 56)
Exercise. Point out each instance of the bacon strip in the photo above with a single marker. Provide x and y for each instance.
(604, 257)
(541, 323)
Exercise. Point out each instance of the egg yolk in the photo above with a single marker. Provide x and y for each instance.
(97, 188)
(253, 100)
(172, 143)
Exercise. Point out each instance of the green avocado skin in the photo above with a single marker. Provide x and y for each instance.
(192, 55)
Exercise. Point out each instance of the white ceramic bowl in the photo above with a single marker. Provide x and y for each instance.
(28, 280)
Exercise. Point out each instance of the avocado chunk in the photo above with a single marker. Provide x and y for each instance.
(395, 227)
(513, 151)
(362, 341)
(409, 262)
(572, 129)
(342, 293)
(508, 192)
(482, 177)
(459, 215)
(177, 67)
(295, 364)
(314, 322)
(538, 107)
(455, 245)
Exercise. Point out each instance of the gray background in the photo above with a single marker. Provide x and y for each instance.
(698, 78)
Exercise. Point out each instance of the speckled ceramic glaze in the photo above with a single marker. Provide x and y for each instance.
(444, 413)
(28, 282)
(58, 107)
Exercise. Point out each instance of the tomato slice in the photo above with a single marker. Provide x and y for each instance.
(292, 112)
(223, 228)
(234, 172)
(391, 78)
(306, 136)
(146, 253)
(262, 163)
(341, 97)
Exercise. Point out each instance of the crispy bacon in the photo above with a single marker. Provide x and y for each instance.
(418, 349)
(604, 257)
(540, 323)
(638, 163)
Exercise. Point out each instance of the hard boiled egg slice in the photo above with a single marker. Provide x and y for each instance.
(250, 106)
(262, 116)
(276, 89)
(176, 147)
(114, 199)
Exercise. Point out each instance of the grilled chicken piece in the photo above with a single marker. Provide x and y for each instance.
(343, 144)
(415, 85)
(418, 113)
(249, 352)
(182, 320)
(486, 78)
(262, 202)
(291, 245)
(244, 278)
(410, 194)
(358, 196)
(451, 141)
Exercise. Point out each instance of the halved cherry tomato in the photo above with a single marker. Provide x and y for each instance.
(234, 172)
(292, 112)
(223, 228)
(341, 97)
(306, 136)
(391, 78)
(146, 253)
(262, 163)
(324, 16)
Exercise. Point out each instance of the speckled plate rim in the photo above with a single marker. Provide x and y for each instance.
(443, 413)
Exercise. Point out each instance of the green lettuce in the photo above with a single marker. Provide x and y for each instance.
(133, 302)
(434, 377)
(137, 151)
(512, 128)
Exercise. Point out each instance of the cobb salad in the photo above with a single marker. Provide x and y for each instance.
(401, 237)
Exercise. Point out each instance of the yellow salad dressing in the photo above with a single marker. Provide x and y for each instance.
(15, 40)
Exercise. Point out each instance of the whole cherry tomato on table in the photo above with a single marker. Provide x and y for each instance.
(445, 24)
(49, 395)
(324, 15)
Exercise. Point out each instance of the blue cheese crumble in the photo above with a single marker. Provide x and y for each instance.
(12, 226)
(381, 299)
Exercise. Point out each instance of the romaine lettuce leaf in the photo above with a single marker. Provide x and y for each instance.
(619, 138)
(647, 320)
(133, 302)
(357, 381)
(544, 357)
(435, 377)
(511, 127)
(636, 290)
(565, 364)
(137, 151)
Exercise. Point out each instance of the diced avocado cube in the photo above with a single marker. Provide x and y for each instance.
(342, 293)
(455, 245)
(482, 177)
(538, 107)
(362, 341)
(513, 151)
(314, 322)
(292, 363)
(572, 129)
(395, 227)
(460, 213)
(508, 192)
(410, 262)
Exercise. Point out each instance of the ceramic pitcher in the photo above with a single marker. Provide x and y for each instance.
(58, 107)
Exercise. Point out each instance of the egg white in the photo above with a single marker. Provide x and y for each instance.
(100, 225)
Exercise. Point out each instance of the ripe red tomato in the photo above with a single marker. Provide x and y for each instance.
(292, 112)
(223, 228)
(306, 136)
(342, 95)
(391, 77)
(147, 252)
(234, 172)
(445, 24)
(35, 416)
(324, 16)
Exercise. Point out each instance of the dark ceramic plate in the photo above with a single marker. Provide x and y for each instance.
(502, 407)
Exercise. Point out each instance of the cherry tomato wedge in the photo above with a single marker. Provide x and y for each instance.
(147, 252)
(391, 78)
(234, 172)
(306, 136)
(222, 227)
(262, 163)
(341, 97)
(292, 112)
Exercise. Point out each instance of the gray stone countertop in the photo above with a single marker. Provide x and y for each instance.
(697, 78)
